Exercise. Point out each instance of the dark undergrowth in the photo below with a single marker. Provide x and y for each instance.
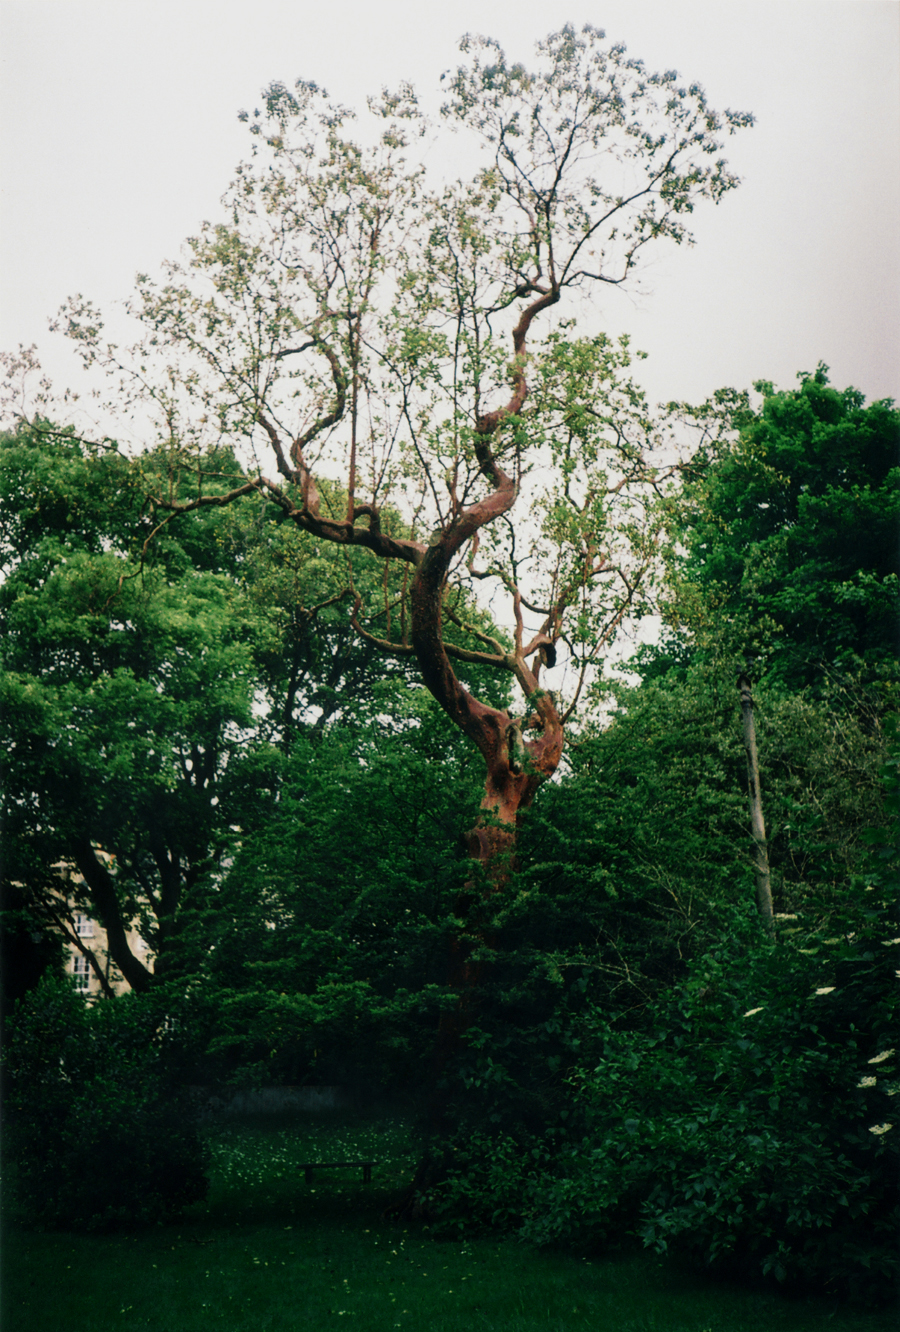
(266, 1250)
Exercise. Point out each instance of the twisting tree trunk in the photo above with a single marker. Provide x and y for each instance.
(519, 752)
(757, 822)
(516, 766)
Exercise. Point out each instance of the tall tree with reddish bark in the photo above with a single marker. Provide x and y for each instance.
(359, 321)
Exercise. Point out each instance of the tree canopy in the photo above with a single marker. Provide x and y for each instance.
(786, 525)
(151, 688)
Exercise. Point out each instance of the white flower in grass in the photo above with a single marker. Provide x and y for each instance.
(751, 1011)
(825, 989)
(867, 1082)
(880, 1058)
(879, 1129)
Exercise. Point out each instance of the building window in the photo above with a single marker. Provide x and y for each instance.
(84, 926)
(82, 972)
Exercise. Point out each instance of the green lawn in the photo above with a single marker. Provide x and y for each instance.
(267, 1251)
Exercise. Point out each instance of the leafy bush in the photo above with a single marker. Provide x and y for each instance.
(744, 1114)
(749, 1122)
(98, 1134)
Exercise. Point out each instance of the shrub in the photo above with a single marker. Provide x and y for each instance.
(747, 1115)
(98, 1133)
(749, 1122)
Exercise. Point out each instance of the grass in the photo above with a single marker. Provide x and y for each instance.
(266, 1251)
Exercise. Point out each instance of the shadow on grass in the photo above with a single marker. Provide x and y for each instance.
(268, 1251)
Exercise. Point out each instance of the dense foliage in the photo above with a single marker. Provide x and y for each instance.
(786, 529)
(264, 722)
(728, 1097)
(639, 1059)
(100, 1132)
(127, 689)
(320, 953)
(153, 682)
(756, 1139)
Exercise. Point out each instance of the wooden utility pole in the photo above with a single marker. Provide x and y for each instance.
(757, 822)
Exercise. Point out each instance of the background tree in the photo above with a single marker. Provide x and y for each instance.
(154, 684)
(148, 686)
(126, 686)
(787, 522)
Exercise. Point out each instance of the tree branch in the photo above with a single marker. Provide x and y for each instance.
(103, 890)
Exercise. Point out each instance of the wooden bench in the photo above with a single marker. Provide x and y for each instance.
(309, 1166)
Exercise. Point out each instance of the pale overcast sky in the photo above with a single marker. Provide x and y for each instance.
(119, 134)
